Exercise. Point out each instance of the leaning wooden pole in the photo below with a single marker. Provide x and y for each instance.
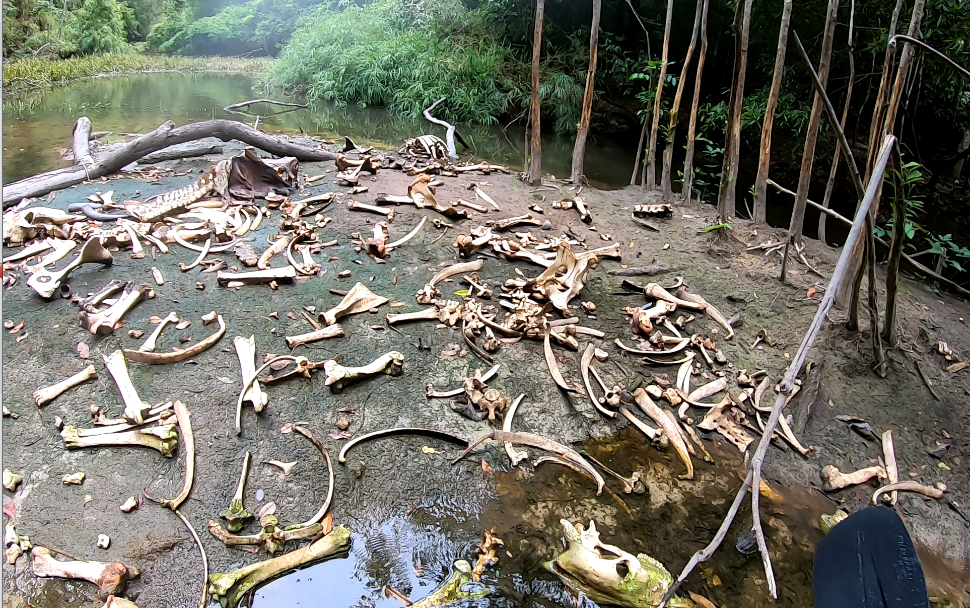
(535, 167)
(753, 480)
(732, 147)
(811, 136)
(675, 108)
(833, 172)
(764, 160)
(651, 156)
(688, 186)
(579, 150)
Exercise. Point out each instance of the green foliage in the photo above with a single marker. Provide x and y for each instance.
(99, 27)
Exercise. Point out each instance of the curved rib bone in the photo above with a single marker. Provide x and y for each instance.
(246, 353)
(358, 299)
(584, 367)
(908, 486)
(553, 366)
(339, 376)
(429, 292)
(409, 235)
(431, 392)
(654, 290)
(47, 394)
(149, 345)
(185, 427)
(109, 577)
(652, 433)
(179, 355)
(330, 331)
(278, 246)
(117, 366)
(515, 456)
(631, 485)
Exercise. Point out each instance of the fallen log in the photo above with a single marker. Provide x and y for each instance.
(81, 144)
(176, 153)
(164, 136)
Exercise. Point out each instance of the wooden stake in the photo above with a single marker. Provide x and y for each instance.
(535, 168)
(579, 150)
(675, 109)
(651, 160)
(760, 182)
(892, 270)
(687, 189)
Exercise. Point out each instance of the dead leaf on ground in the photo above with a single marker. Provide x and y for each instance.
(486, 467)
(83, 351)
(22, 337)
(339, 435)
(135, 333)
(700, 600)
(267, 509)
(154, 319)
(224, 380)
(183, 324)
(327, 524)
(810, 292)
(346, 410)
(291, 315)
(16, 328)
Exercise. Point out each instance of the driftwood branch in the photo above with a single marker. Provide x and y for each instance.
(177, 153)
(786, 387)
(164, 136)
(82, 137)
(246, 104)
(450, 134)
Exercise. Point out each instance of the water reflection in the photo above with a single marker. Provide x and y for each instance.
(37, 126)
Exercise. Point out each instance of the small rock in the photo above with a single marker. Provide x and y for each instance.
(11, 480)
(104, 541)
(74, 479)
(343, 424)
(547, 225)
(260, 494)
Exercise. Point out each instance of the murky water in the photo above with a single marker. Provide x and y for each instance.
(36, 126)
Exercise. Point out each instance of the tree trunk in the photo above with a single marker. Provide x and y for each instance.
(833, 172)
(535, 169)
(892, 271)
(957, 170)
(761, 181)
(808, 154)
(651, 158)
(81, 144)
(164, 136)
(688, 186)
(877, 351)
(579, 150)
(675, 109)
(732, 146)
(636, 161)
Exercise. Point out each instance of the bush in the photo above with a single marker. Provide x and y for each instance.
(99, 27)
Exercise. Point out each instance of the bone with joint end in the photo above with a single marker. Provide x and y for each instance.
(339, 376)
(179, 355)
(431, 392)
(355, 206)
(358, 299)
(60, 250)
(908, 486)
(104, 321)
(681, 345)
(541, 443)
(30, 251)
(833, 479)
(301, 362)
(43, 396)
(709, 309)
(278, 246)
(149, 344)
(236, 514)
(93, 302)
(455, 269)
(185, 427)
(257, 276)
(246, 353)
(485, 197)
(473, 206)
(427, 314)
(331, 331)
(889, 457)
(162, 438)
(631, 485)
(110, 578)
(230, 587)
(654, 290)
(515, 456)
(584, 368)
(342, 456)
(46, 283)
(670, 428)
(708, 390)
(135, 408)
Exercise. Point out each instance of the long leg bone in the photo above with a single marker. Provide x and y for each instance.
(47, 394)
(339, 376)
(150, 344)
(92, 302)
(652, 433)
(631, 485)
(654, 290)
(60, 249)
(669, 426)
(135, 408)
(892, 470)
(162, 438)
(331, 331)
(46, 283)
(236, 514)
(358, 299)
(833, 479)
(246, 353)
(708, 309)
(257, 276)
(110, 578)
(104, 321)
(185, 427)
(179, 355)
(355, 206)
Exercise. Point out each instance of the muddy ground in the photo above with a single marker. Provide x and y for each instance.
(411, 512)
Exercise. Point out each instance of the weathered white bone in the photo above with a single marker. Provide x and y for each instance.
(355, 206)
(257, 276)
(45, 283)
(110, 578)
(670, 428)
(833, 479)
(425, 314)
(137, 251)
(339, 376)
(60, 249)
(330, 331)
(150, 344)
(135, 408)
(515, 456)
(481, 194)
(114, 601)
(162, 438)
(654, 290)
(179, 355)
(29, 251)
(278, 246)
(358, 299)
(709, 309)
(104, 321)
(473, 206)
(246, 353)
(47, 394)
(409, 236)
(708, 390)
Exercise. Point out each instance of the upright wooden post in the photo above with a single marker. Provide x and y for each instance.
(675, 109)
(579, 150)
(732, 146)
(761, 180)
(651, 181)
(535, 168)
(694, 105)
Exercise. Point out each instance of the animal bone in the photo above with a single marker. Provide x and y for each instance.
(376, 245)
(104, 321)
(179, 355)
(110, 578)
(651, 433)
(708, 309)
(246, 353)
(339, 376)
(47, 394)
(30, 250)
(708, 390)
(584, 214)
(481, 194)
(285, 467)
(45, 283)
(719, 419)
(236, 514)
(908, 486)
(553, 366)
(60, 249)
(387, 199)
(681, 345)
(491, 401)
(889, 457)
(92, 302)
(632, 485)
(229, 588)
(584, 368)
(257, 276)
(670, 428)
(643, 319)
(464, 203)
(162, 438)
(431, 392)
(117, 366)
(11, 480)
(278, 246)
(331, 331)
(509, 222)
(515, 456)
(833, 479)
(149, 345)
(429, 292)
(119, 602)
(654, 290)
(355, 206)
(358, 299)
(409, 235)
(698, 341)
(271, 537)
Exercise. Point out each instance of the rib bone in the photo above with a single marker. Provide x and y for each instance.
(47, 394)
(246, 353)
(109, 577)
(515, 456)
(135, 408)
(669, 426)
(358, 299)
(339, 376)
(179, 355)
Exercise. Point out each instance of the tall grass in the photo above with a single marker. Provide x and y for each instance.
(27, 74)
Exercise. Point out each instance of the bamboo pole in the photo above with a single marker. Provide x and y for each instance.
(579, 150)
(892, 270)
(687, 189)
(729, 170)
(833, 172)
(535, 168)
(675, 109)
(636, 161)
(764, 160)
(651, 159)
(753, 480)
(811, 136)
